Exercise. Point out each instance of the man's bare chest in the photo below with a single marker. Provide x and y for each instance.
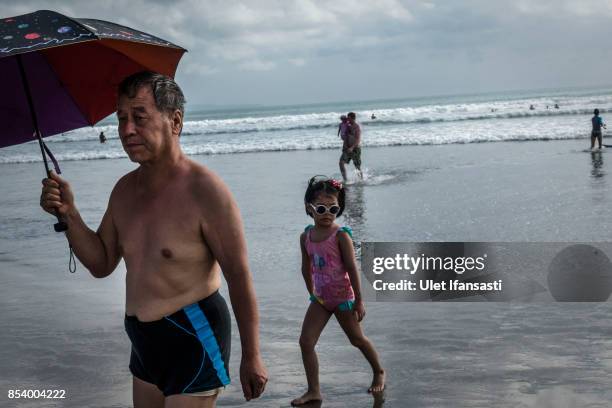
(163, 226)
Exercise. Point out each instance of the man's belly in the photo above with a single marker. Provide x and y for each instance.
(153, 294)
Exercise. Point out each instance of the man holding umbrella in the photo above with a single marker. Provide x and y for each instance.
(177, 227)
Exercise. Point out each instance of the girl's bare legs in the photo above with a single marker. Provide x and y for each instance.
(314, 322)
(352, 328)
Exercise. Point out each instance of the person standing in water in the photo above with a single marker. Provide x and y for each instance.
(596, 133)
(332, 280)
(351, 149)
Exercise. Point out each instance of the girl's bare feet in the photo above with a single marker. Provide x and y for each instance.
(378, 382)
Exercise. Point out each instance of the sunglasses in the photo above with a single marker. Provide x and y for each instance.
(321, 209)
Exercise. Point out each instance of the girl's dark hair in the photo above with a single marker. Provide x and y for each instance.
(596, 112)
(323, 184)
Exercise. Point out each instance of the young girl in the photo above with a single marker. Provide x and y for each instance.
(332, 280)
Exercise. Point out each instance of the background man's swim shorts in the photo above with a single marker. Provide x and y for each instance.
(355, 155)
(186, 352)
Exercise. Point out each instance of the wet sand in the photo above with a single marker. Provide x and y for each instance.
(66, 331)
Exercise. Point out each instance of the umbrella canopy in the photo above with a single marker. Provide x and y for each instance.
(72, 67)
(61, 73)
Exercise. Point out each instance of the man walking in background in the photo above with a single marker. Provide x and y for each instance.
(351, 149)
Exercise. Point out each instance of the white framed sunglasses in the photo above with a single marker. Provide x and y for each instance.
(322, 209)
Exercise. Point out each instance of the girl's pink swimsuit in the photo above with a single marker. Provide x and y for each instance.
(332, 285)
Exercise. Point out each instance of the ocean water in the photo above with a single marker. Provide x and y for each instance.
(416, 121)
(64, 331)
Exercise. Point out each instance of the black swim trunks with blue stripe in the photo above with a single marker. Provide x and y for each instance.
(185, 352)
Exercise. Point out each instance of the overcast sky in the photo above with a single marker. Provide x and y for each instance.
(308, 51)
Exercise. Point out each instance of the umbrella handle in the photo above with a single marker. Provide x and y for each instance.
(60, 225)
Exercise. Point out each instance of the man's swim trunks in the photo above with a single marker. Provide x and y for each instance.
(355, 155)
(186, 352)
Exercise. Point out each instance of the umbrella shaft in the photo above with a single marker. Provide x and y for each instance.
(26, 87)
(61, 225)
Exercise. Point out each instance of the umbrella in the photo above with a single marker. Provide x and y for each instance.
(61, 73)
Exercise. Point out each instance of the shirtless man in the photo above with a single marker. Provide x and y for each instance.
(351, 148)
(177, 226)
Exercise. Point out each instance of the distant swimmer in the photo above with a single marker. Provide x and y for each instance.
(102, 137)
(531, 107)
(373, 116)
(597, 123)
(556, 106)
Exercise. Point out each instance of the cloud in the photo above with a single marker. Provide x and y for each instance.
(447, 44)
(198, 69)
(270, 30)
(298, 62)
(257, 65)
(247, 34)
(565, 8)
